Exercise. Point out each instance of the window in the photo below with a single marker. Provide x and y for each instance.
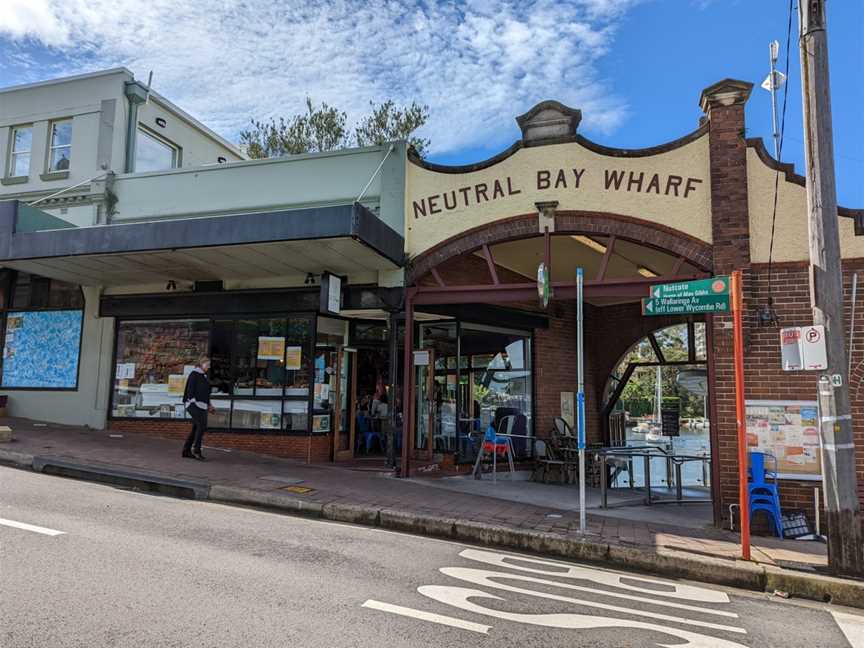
(153, 153)
(259, 374)
(60, 153)
(19, 157)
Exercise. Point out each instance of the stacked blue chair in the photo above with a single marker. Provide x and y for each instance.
(763, 495)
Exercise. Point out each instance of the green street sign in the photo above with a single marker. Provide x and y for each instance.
(689, 298)
(697, 288)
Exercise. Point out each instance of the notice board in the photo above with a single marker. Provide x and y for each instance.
(790, 431)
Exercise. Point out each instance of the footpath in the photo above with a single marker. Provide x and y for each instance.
(376, 498)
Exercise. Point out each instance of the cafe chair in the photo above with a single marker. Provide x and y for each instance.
(494, 445)
(763, 495)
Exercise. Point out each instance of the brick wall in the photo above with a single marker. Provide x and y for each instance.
(317, 448)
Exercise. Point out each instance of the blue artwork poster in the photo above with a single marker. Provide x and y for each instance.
(42, 349)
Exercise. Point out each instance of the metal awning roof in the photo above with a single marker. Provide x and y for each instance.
(343, 239)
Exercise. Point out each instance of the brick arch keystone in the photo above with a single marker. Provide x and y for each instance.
(695, 251)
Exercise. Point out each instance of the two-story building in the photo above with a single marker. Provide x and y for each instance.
(76, 133)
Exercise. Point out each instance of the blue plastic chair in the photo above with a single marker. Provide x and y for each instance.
(763, 495)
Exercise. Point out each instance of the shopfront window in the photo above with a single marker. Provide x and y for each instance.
(260, 370)
(478, 376)
(153, 360)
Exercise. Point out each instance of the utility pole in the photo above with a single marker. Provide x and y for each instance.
(843, 514)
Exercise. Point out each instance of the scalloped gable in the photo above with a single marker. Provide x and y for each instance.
(549, 121)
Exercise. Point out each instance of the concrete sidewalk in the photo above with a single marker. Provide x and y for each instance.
(375, 498)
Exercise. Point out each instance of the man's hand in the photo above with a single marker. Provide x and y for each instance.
(211, 409)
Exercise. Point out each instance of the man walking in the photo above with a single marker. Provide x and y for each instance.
(196, 398)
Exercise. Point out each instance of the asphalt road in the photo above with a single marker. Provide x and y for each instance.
(130, 569)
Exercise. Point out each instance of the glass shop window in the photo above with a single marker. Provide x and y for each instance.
(153, 360)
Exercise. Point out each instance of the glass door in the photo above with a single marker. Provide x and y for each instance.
(426, 407)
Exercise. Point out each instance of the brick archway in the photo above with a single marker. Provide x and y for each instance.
(693, 250)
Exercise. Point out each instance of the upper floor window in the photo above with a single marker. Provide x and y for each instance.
(19, 156)
(60, 153)
(153, 153)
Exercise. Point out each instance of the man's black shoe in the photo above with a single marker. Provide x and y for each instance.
(187, 455)
(199, 457)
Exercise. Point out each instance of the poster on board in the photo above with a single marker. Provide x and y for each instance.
(271, 348)
(42, 349)
(293, 358)
(789, 430)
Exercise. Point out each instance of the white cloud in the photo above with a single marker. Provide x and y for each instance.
(477, 63)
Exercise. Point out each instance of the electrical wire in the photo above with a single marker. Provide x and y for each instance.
(779, 155)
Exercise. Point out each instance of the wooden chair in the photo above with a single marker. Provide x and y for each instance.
(545, 461)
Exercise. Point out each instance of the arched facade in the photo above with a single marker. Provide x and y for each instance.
(694, 207)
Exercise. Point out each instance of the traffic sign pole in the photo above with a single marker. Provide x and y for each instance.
(740, 413)
(580, 410)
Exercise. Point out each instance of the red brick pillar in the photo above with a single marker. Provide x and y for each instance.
(723, 104)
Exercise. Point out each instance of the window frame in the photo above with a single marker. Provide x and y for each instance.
(176, 149)
(309, 349)
(52, 147)
(10, 162)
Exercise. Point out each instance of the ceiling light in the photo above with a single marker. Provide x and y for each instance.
(591, 243)
(645, 272)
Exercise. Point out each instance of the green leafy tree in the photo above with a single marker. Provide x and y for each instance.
(320, 128)
(324, 128)
(387, 122)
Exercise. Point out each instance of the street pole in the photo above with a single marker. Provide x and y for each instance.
(773, 51)
(843, 515)
(580, 399)
(740, 410)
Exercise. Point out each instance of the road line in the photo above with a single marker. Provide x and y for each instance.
(852, 627)
(30, 527)
(427, 616)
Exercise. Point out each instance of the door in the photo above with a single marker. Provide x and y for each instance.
(343, 403)
(426, 407)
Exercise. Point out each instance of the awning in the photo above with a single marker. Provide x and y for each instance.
(344, 239)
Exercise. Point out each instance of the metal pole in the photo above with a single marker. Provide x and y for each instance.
(580, 418)
(842, 506)
(407, 385)
(740, 414)
(773, 49)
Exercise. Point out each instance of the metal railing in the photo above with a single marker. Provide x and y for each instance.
(673, 463)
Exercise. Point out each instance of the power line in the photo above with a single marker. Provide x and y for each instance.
(771, 315)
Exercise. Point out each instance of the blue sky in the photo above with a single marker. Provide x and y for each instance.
(634, 67)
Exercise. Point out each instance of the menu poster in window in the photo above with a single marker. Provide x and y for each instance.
(567, 409)
(42, 349)
(176, 383)
(271, 348)
(293, 358)
(321, 423)
(789, 430)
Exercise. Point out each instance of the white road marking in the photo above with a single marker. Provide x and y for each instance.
(852, 626)
(486, 578)
(427, 616)
(30, 527)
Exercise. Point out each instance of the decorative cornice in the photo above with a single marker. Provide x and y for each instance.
(727, 92)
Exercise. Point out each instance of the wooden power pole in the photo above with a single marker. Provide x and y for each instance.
(845, 542)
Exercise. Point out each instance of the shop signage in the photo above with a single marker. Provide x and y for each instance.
(331, 293)
(670, 419)
(803, 347)
(421, 358)
(271, 348)
(558, 179)
(688, 297)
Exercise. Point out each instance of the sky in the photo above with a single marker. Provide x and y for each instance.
(634, 67)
